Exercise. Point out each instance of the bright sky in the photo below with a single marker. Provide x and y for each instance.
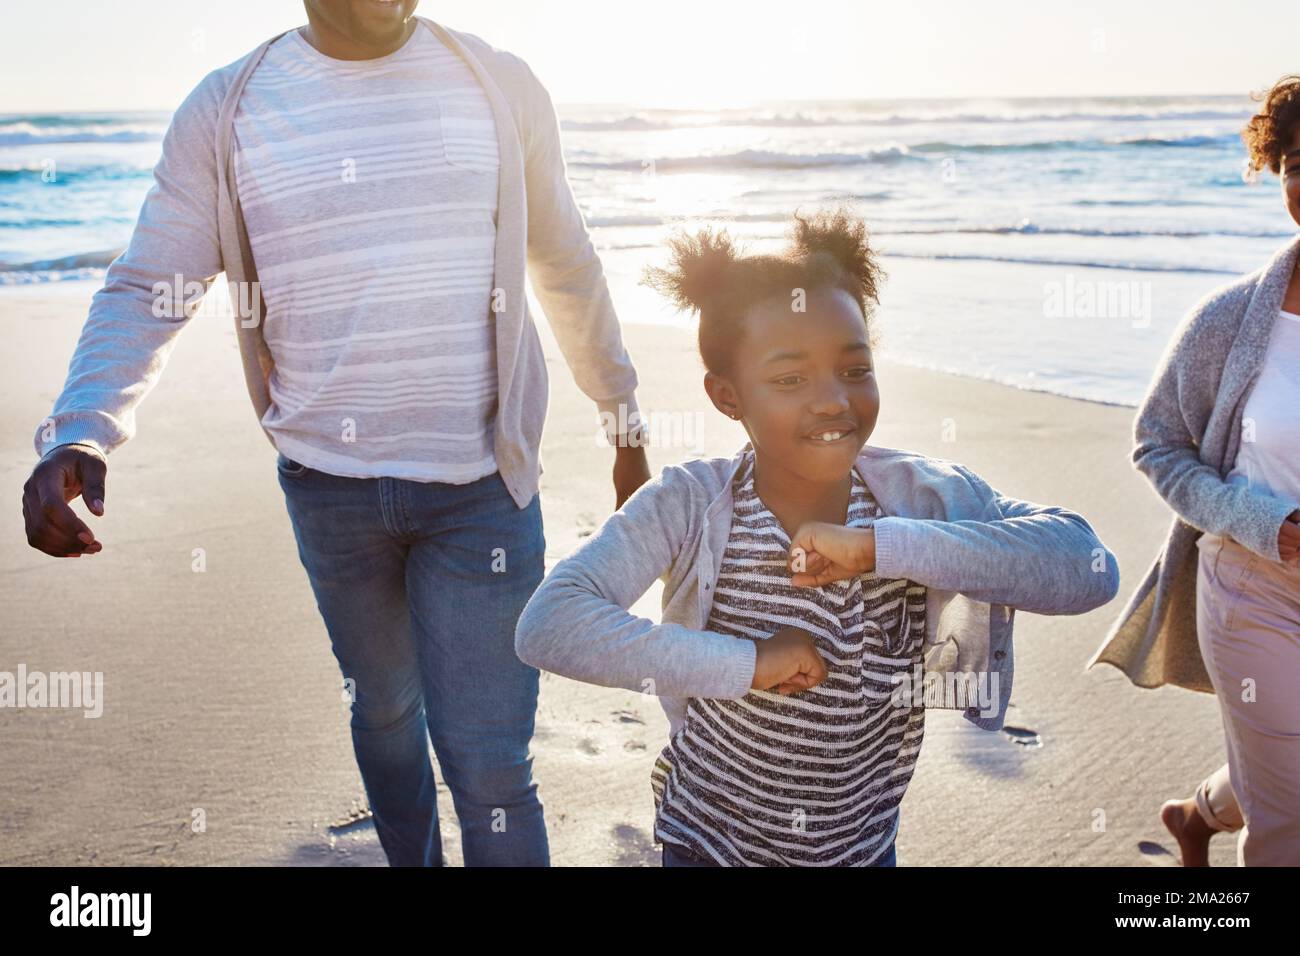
(147, 54)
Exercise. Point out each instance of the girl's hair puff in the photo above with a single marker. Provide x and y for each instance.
(709, 274)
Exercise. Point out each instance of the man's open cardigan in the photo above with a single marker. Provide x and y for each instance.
(1186, 437)
(191, 229)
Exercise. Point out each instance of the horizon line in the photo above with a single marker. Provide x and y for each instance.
(937, 98)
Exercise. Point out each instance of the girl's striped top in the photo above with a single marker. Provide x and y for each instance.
(814, 778)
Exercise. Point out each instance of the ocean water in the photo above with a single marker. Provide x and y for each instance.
(1047, 243)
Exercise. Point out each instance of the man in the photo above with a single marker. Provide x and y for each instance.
(372, 185)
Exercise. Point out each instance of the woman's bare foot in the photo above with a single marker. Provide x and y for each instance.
(1184, 821)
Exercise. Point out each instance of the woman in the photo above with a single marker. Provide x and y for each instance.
(1219, 436)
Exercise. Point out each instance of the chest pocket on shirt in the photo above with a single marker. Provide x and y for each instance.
(469, 134)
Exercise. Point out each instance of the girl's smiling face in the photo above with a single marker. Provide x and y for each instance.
(803, 383)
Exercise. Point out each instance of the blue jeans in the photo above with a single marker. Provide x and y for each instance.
(420, 585)
(675, 855)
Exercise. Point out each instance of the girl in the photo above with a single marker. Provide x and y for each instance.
(818, 591)
(1219, 611)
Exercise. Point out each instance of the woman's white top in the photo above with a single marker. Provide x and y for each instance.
(1269, 457)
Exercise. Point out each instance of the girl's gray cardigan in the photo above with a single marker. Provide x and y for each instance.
(979, 553)
(1186, 437)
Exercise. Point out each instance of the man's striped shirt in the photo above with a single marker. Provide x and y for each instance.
(369, 189)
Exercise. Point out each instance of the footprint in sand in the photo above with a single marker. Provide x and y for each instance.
(1156, 854)
(601, 735)
(630, 717)
(1022, 736)
(635, 847)
(358, 817)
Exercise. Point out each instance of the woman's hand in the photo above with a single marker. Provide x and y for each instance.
(1288, 539)
(821, 552)
(788, 662)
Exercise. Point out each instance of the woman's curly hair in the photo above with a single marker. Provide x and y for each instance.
(709, 274)
(1269, 131)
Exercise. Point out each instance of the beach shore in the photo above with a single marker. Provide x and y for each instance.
(222, 702)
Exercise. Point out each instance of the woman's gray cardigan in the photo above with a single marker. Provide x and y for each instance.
(1186, 437)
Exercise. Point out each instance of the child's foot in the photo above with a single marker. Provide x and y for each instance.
(1183, 820)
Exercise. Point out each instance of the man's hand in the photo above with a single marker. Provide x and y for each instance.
(631, 471)
(821, 552)
(788, 662)
(1288, 539)
(63, 474)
